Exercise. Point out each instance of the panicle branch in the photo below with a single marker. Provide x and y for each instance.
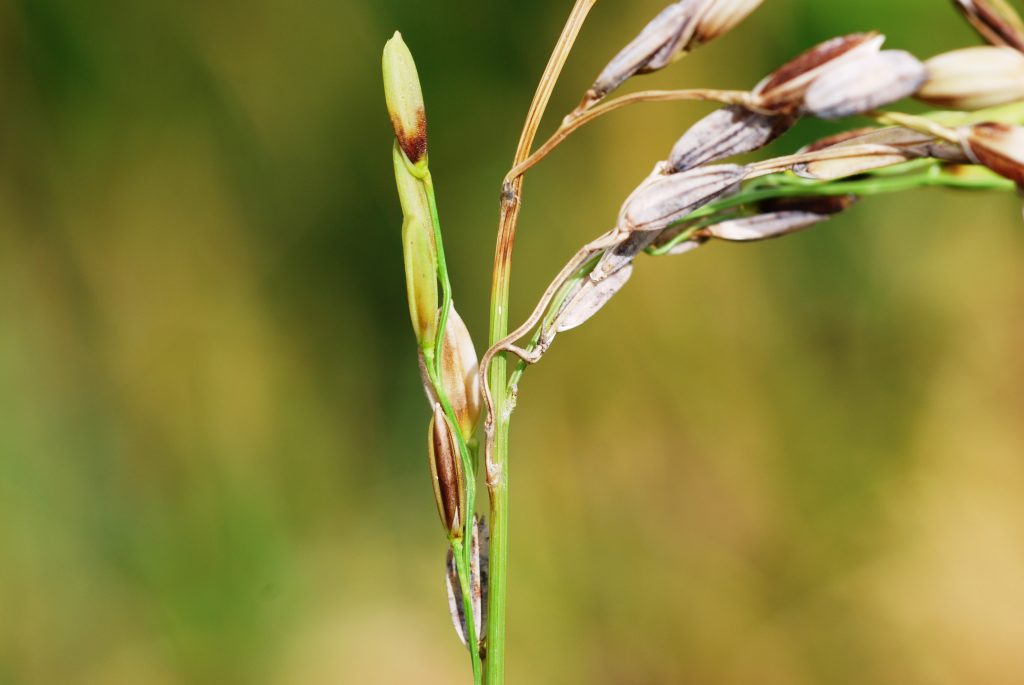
(841, 77)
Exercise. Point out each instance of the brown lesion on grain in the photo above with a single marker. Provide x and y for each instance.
(814, 58)
(414, 142)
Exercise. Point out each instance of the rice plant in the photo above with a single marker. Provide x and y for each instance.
(692, 197)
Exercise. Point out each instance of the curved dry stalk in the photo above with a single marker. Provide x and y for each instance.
(580, 118)
(609, 239)
(510, 205)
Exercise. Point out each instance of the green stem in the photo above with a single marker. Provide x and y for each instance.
(433, 363)
(498, 567)
(442, 269)
(789, 185)
(1010, 114)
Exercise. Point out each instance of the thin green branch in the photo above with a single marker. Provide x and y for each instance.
(932, 174)
(433, 358)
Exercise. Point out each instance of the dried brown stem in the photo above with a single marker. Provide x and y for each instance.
(510, 194)
(580, 118)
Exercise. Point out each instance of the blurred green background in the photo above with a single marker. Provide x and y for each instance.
(788, 463)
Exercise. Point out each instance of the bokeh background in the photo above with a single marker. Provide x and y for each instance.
(788, 463)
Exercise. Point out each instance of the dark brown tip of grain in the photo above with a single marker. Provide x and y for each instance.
(414, 142)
